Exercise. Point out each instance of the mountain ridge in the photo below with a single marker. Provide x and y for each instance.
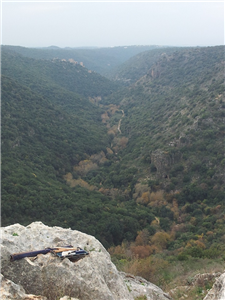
(100, 60)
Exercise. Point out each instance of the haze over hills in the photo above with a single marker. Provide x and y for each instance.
(137, 161)
(101, 60)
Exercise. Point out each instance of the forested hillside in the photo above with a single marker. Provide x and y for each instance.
(137, 66)
(141, 166)
(172, 142)
(47, 129)
(101, 60)
(45, 75)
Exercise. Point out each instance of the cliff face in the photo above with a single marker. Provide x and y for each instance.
(164, 161)
(93, 277)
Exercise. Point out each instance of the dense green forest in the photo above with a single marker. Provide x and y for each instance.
(40, 144)
(51, 77)
(137, 66)
(137, 161)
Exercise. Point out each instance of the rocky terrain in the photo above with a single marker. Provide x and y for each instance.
(218, 289)
(47, 277)
(196, 287)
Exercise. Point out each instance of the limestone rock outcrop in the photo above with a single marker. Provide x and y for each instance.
(217, 292)
(200, 280)
(138, 286)
(93, 277)
(163, 161)
(11, 291)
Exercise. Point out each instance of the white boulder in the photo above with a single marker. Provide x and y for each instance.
(93, 277)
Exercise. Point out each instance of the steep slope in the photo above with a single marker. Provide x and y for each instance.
(47, 129)
(27, 115)
(172, 134)
(42, 75)
(137, 66)
(179, 107)
(40, 142)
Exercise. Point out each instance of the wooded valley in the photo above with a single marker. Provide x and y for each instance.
(126, 144)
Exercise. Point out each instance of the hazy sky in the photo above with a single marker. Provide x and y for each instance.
(112, 23)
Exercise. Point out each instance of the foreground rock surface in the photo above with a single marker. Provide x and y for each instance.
(11, 291)
(93, 277)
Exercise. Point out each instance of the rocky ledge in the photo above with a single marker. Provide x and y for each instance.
(47, 277)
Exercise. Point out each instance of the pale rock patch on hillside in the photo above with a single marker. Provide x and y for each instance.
(217, 292)
(199, 280)
(94, 277)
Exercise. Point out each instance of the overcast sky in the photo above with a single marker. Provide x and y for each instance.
(116, 23)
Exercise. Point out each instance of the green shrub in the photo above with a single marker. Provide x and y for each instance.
(182, 256)
(211, 253)
(195, 252)
(142, 297)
